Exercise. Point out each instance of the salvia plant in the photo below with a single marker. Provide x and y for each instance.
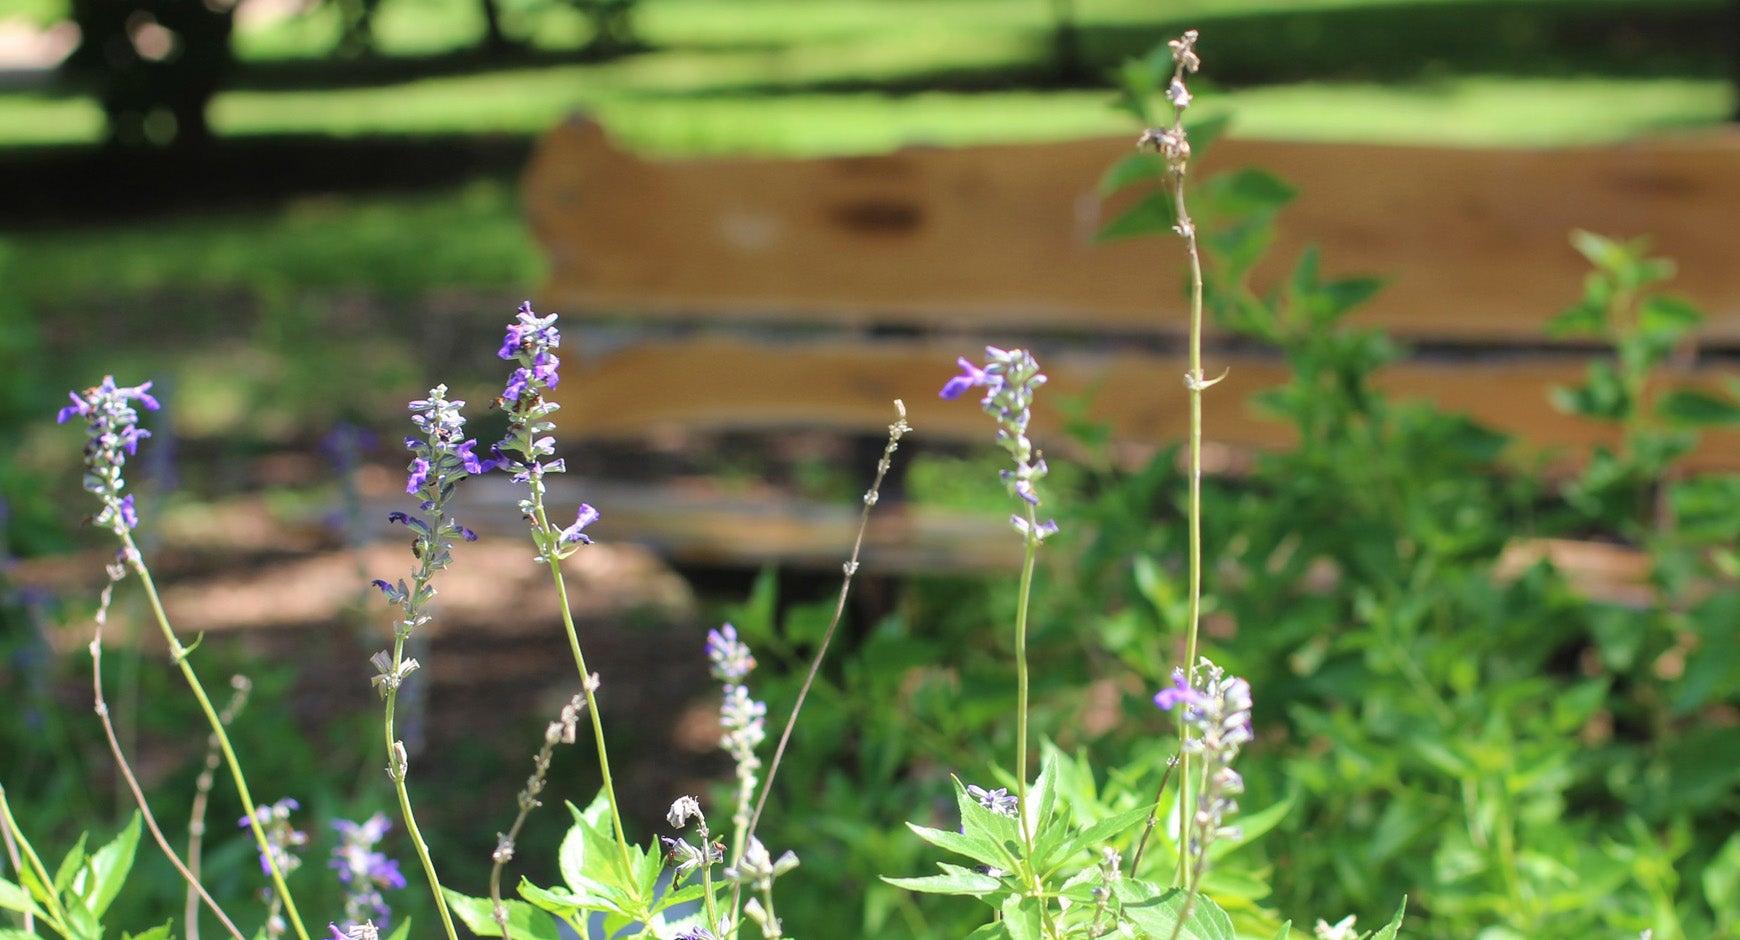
(1453, 779)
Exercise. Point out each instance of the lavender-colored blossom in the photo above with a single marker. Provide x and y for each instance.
(113, 434)
(363, 931)
(572, 534)
(1010, 377)
(1217, 724)
(442, 458)
(1178, 692)
(971, 377)
(530, 342)
(419, 476)
(999, 801)
(282, 839)
(730, 657)
(365, 872)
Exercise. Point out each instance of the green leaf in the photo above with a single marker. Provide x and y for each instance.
(159, 932)
(71, 865)
(524, 920)
(972, 844)
(1042, 796)
(1668, 317)
(1588, 317)
(1253, 825)
(1689, 406)
(402, 931)
(1109, 828)
(563, 904)
(12, 933)
(1395, 924)
(109, 868)
(953, 880)
(1205, 132)
(1155, 212)
(1251, 190)
(1022, 916)
(1132, 169)
(13, 897)
(1285, 931)
(1157, 910)
(1603, 253)
(1721, 878)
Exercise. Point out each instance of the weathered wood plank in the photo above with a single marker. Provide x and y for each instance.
(1474, 241)
(730, 383)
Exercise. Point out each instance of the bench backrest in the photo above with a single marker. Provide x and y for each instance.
(770, 285)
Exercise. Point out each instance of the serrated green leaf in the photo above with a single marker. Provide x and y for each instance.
(1042, 796)
(109, 868)
(13, 933)
(13, 897)
(953, 880)
(1108, 829)
(1395, 925)
(1132, 169)
(71, 865)
(1022, 917)
(991, 931)
(1692, 407)
(1154, 213)
(525, 921)
(563, 904)
(975, 846)
(1157, 910)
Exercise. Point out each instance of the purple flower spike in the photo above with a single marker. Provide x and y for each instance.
(573, 533)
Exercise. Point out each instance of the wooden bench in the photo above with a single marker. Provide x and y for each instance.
(776, 294)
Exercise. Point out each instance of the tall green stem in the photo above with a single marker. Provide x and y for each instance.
(1021, 678)
(398, 771)
(178, 654)
(586, 684)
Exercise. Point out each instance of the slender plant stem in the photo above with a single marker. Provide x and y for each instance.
(896, 431)
(179, 655)
(586, 683)
(132, 782)
(1021, 681)
(240, 688)
(397, 770)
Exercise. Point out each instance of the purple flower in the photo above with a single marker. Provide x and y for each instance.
(971, 376)
(113, 434)
(419, 475)
(730, 656)
(129, 516)
(468, 459)
(517, 385)
(281, 837)
(1179, 692)
(999, 801)
(586, 517)
(363, 871)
